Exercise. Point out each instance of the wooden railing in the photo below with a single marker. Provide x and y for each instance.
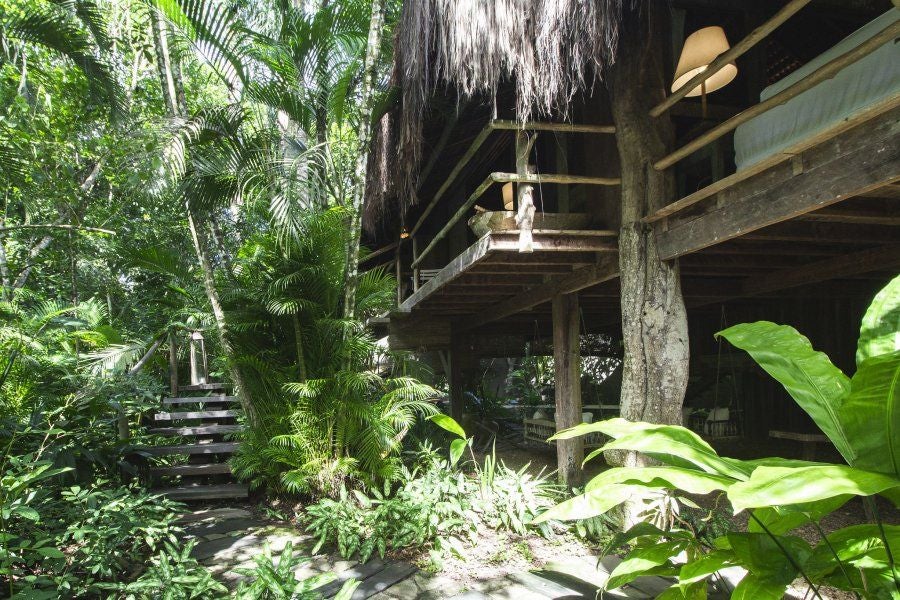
(821, 74)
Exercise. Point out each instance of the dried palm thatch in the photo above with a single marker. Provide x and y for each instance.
(547, 49)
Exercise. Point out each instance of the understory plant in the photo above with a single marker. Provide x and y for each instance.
(860, 415)
(435, 505)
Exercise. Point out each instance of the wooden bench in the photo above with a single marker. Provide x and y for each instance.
(538, 430)
(809, 441)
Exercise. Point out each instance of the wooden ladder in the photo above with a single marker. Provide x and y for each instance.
(206, 414)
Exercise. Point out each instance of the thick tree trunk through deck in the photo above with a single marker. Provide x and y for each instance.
(567, 373)
(654, 320)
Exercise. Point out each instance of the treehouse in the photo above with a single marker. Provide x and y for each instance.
(754, 174)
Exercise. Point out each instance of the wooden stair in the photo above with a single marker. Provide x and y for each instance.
(206, 475)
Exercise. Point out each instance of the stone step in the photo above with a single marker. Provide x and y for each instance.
(216, 399)
(202, 387)
(205, 492)
(200, 414)
(192, 470)
(214, 448)
(199, 430)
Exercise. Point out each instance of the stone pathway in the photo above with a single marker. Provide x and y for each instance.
(230, 538)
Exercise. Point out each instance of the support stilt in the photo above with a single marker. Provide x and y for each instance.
(567, 365)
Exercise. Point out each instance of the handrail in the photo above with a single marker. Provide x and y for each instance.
(502, 125)
(729, 56)
(498, 177)
(827, 71)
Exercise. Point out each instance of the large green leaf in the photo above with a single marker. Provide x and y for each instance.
(614, 428)
(880, 330)
(808, 376)
(642, 559)
(871, 414)
(773, 486)
(688, 480)
(448, 423)
(772, 558)
(587, 505)
(781, 519)
(853, 545)
(676, 445)
(706, 565)
(752, 587)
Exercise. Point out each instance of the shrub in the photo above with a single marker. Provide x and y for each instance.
(434, 505)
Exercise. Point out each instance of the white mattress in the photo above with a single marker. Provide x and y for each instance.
(874, 78)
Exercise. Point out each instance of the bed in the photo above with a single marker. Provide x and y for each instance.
(870, 81)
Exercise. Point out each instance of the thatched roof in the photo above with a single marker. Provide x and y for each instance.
(548, 50)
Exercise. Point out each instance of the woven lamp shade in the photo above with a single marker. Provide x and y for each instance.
(700, 49)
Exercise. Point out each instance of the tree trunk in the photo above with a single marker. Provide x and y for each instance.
(367, 93)
(209, 282)
(163, 70)
(654, 320)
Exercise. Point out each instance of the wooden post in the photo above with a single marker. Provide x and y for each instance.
(525, 214)
(461, 363)
(567, 369)
(173, 366)
(562, 166)
(415, 253)
(398, 275)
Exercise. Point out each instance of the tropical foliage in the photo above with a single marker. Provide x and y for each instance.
(435, 505)
(859, 414)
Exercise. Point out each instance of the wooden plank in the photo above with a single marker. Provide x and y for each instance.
(358, 572)
(857, 119)
(200, 387)
(821, 74)
(846, 166)
(217, 399)
(875, 259)
(730, 55)
(382, 580)
(215, 448)
(205, 492)
(201, 414)
(585, 277)
(473, 254)
(510, 125)
(604, 241)
(201, 430)
(188, 470)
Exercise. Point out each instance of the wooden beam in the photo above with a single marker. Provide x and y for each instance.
(604, 241)
(585, 277)
(821, 74)
(567, 379)
(845, 265)
(561, 178)
(835, 234)
(510, 125)
(730, 55)
(379, 252)
(460, 213)
(861, 159)
(461, 163)
(857, 216)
